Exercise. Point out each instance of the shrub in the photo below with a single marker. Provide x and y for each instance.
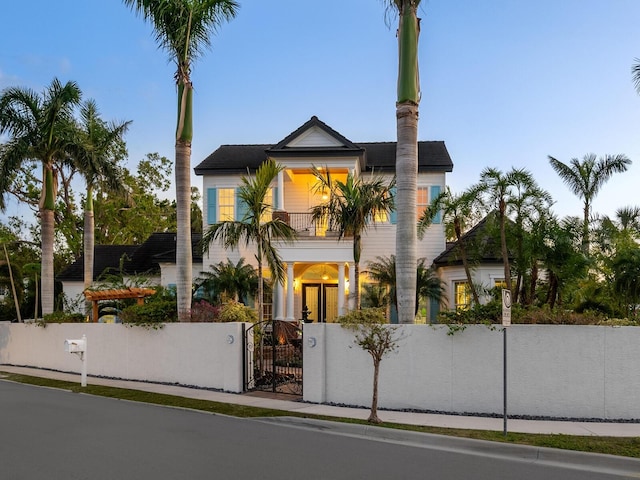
(62, 317)
(203, 311)
(236, 312)
(152, 314)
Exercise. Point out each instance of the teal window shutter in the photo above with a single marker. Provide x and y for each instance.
(393, 215)
(435, 191)
(241, 208)
(212, 198)
(274, 196)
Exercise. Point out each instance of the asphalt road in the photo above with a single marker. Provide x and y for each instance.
(53, 434)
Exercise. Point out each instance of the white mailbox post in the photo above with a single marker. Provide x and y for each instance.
(79, 347)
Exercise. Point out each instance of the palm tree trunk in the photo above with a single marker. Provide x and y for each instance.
(47, 224)
(184, 258)
(47, 273)
(503, 246)
(407, 159)
(585, 228)
(406, 234)
(465, 262)
(89, 243)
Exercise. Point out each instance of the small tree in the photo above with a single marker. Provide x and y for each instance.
(375, 337)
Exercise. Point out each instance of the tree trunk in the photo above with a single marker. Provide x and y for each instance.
(373, 416)
(406, 234)
(183, 241)
(585, 228)
(89, 243)
(465, 262)
(47, 273)
(503, 246)
(408, 98)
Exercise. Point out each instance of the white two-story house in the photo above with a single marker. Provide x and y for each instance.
(320, 268)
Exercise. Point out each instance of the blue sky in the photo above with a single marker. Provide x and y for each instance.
(504, 82)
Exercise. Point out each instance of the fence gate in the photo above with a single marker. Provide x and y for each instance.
(273, 357)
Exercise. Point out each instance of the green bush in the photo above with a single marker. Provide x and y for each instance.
(62, 317)
(236, 312)
(150, 314)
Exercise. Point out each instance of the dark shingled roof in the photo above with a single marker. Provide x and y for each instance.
(140, 259)
(478, 239)
(380, 156)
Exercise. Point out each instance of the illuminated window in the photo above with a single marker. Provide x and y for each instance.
(226, 204)
(500, 283)
(381, 217)
(462, 295)
(422, 201)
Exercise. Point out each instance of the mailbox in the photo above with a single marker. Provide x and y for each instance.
(75, 346)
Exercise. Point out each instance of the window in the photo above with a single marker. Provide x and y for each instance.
(499, 283)
(226, 204)
(462, 295)
(422, 201)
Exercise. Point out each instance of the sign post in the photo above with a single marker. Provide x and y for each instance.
(506, 321)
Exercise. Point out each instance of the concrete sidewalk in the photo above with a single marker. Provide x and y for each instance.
(605, 429)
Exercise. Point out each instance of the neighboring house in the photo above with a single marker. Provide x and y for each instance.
(319, 267)
(485, 261)
(154, 260)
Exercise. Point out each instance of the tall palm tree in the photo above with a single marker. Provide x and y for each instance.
(585, 179)
(39, 128)
(184, 29)
(95, 154)
(257, 228)
(352, 207)
(408, 98)
(456, 210)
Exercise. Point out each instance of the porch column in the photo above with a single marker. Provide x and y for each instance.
(290, 313)
(341, 287)
(352, 286)
(279, 302)
(280, 199)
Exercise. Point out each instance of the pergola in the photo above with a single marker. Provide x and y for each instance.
(116, 294)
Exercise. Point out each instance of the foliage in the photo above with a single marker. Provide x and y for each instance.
(228, 281)
(151, 314)
(203, 311)
(61, 317)
(375, 337)
(236, 312)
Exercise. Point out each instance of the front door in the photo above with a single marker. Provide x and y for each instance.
(321, 300)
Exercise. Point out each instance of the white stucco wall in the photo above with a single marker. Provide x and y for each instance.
(188, 354)
(553, 371)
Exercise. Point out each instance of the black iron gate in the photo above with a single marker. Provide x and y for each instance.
(273, 357)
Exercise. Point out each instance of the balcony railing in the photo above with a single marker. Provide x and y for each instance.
(304, 224)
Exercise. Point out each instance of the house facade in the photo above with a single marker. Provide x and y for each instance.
(320, 267)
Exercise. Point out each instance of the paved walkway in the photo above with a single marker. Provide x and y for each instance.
(608, 429)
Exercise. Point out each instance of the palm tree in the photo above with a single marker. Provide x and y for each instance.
(254, 228)
(94, 154)
(428, 285)
(408, 98)
(230, 281)
(184, 29)
(502, 191)
(39, 127)
(585, 179)
(352, 207)
(456, 210)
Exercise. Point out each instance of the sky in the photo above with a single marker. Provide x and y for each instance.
(505, 83)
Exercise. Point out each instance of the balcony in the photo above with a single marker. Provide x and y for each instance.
(304, 224)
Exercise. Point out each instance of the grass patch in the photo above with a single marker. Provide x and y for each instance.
(621, 446)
